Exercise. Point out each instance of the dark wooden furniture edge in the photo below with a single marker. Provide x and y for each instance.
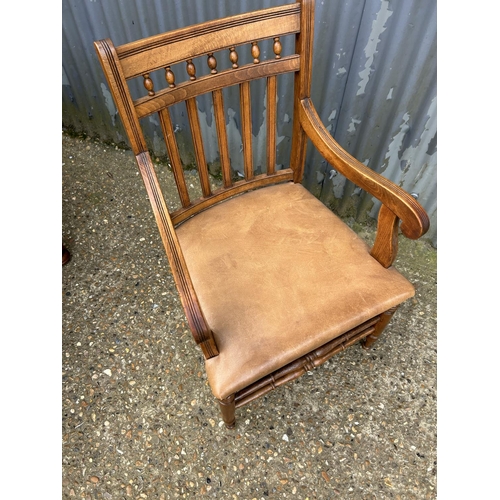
(66, 256)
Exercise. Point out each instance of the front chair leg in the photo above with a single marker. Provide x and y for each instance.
(227, 407)
(379, 328)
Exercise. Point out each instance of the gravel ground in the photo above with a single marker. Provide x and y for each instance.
(138, 418)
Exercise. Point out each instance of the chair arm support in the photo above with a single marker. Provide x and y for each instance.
(414, 219)
(196, 320)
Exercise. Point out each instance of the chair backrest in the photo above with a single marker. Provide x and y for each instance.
(212, 41)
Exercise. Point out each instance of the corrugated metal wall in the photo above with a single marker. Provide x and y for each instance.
(374, 84)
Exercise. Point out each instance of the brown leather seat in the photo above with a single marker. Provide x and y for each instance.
(278, 275)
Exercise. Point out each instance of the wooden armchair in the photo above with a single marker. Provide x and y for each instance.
(272, 282)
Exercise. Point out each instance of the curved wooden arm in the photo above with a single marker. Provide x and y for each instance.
(414, 219)
(197, 322)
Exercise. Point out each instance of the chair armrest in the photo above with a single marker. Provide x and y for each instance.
(414, 219)
(202, 333)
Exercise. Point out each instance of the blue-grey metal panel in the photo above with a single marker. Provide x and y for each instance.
(374, 84)
(387, 117)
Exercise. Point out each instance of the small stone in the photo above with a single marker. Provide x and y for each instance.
(94, 479)
(325, 476)
(285, 437)
(107, 372)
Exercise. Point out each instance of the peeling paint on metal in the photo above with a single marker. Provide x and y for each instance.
(432, 145)
(392, 154)
(209, 134)
(109, 103)
(378, 27)
(331, 117)
(414, 168)
(338, 182)
(235, 142)
(352, 125)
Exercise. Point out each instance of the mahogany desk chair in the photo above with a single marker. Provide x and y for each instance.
(272, 282)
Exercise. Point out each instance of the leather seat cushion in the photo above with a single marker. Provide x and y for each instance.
(277, 275)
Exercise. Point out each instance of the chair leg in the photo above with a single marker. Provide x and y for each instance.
(379, 328)
(228, 408)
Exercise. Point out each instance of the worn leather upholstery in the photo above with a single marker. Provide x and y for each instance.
(278, 275)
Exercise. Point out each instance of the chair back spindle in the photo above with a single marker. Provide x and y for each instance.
(173, 154)
(194, 123)
(246, 129)
(220, 123)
